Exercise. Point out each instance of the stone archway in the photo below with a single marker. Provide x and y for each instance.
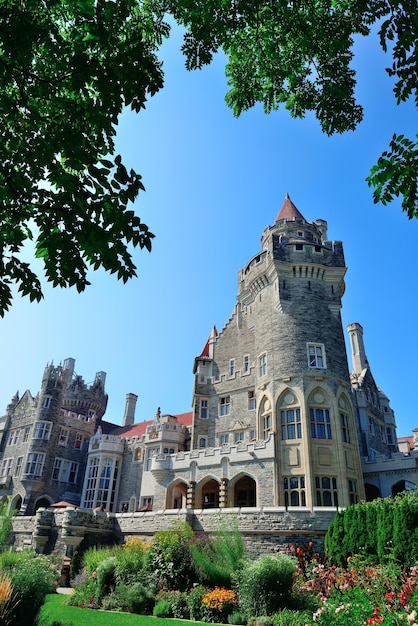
(16, 503)
(245, 492)
(177, 495)
(372, 492)
(42, 502)
(210, 494)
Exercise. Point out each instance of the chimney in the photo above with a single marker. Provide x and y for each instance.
(358, 353)
(129, 416)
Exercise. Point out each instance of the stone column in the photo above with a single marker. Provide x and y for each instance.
(191, 493)
(223, 493)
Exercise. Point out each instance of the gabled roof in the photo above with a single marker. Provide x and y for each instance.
(137, 430)
(289, 211)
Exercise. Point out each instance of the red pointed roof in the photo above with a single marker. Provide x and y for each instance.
(289, 211)
(205, 351)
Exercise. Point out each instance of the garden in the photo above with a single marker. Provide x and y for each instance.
(367, 575)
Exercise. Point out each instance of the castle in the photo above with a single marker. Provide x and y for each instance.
(278, 423)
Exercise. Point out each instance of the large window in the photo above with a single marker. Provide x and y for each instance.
(78, 441)
(92, 474)
(353, 491)
(63, 437)
(34, 464)
(320, 424)
(100, 489)
(291, 424)
(262, 364)
(326, 491)
(294, 491)
(19, 465)
(251, 400)
(203, 409)
(345, 431)
(6, 467)
(65, 470)
(265, 425)
(42, 430)
(13, 437)
(316, 355)
(225, 405)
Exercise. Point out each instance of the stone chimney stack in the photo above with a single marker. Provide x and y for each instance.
(358, 353)
(129, 416)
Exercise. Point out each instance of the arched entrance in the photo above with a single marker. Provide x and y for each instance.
(176, 495)
(245, 492)
(16, 503)
(402, 485)
(42, 502)
(372, 492)
(210, 494)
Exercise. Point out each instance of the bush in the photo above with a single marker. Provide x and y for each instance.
(237, 619)
(194, 601)
(177, 602)
(264, 585)
(105, 577)
(162, 609)
(32, 576)
(218, 558)
(217, 604)
(134, 599)
(169, 563)
(94, 556)
(130, 561)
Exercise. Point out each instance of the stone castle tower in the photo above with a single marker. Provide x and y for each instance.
(279, 366)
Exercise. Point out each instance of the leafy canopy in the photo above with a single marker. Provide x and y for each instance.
(297, 53)
(69, 67)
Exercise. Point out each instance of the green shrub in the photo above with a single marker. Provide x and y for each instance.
(84, 592)
(130, 563)
(169, 563)
(292, 618)
(237, 619)
(177, 602)
(194, 602)
(94, 556)
(218, 557)
(134, 599)
(33, 576)
(162, 609)
(105, 578)
(265, 585)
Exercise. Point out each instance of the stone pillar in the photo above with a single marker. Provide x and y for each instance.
(223, 493)
(191, 493)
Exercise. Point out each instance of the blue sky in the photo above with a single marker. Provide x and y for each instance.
(213, 183)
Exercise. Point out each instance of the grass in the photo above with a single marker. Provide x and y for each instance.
(56, 611)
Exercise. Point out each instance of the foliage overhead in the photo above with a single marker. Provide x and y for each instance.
(297, 53)
(69, 67)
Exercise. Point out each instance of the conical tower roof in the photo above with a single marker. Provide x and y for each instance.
(289, 211)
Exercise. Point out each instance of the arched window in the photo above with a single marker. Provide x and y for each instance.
(265, 419)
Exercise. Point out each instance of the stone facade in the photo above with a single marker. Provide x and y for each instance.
(280, 435)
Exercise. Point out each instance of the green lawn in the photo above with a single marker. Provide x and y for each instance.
(55, 610)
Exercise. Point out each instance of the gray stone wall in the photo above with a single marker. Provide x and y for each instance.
(264, 529)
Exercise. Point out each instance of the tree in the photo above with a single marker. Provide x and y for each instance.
(67, 69)
(297, 53)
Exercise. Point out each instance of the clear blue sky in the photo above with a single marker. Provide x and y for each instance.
(213, 184)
